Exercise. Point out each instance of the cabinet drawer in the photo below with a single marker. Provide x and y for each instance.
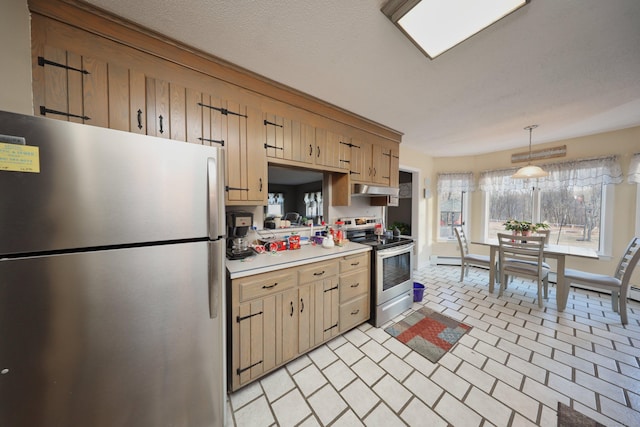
(353, 313)
(354, 262)
(317, 271)
(353, 284)
(265, 284)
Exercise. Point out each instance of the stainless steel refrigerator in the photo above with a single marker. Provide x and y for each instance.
(111, 278)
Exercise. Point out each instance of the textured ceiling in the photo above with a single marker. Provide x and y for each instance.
(570, 66)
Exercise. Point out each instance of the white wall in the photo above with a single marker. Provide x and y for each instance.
(15, 45)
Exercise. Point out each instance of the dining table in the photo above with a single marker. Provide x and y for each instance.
(557, 252)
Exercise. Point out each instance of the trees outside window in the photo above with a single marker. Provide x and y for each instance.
(571, 200)
(453, 201)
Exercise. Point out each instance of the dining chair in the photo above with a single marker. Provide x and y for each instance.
(618, 284)
(467, 259)
(522, 256)
(546, 233)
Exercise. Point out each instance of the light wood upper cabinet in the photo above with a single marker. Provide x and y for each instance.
(332, 149)
(93, 68)
(82, 89)
(242, 131)
(287, 139)
(375, 162)
(381, 164)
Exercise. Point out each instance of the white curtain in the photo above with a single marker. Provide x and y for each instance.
(577, 173)
(634, 169)
(455, 182)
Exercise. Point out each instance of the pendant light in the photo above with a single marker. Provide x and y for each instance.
(530, 171)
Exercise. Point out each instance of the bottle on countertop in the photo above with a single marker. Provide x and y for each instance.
(338, 235)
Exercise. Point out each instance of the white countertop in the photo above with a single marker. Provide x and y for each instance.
(263, 263)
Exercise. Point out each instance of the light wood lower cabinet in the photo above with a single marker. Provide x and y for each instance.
(354, 290)
(318, 289)
(277, 316)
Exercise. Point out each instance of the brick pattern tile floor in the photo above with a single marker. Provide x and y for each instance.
(511, 369)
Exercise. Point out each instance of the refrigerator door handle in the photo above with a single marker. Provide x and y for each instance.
(215, 174)
(216, 277)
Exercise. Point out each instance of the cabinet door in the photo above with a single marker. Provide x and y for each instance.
(326, 309)
(357, 161)
(246, 160)
(381, 164)
(299, 144)
(332, 151)
(394, 169)
(248, 355)
(275, 136)
(75, 88)
(344, 152)
(307, 143)
(256, 159)
(266, 333)
(157, 107)
(306, 317)
(319, 313)
(289, 335)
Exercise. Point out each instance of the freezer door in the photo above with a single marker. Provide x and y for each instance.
(100, 187)
(111, 338)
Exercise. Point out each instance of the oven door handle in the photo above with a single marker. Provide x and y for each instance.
(386, 253)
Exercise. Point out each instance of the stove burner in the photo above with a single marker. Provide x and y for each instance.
(383, 242)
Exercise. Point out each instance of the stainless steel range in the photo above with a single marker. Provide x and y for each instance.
(391, 268)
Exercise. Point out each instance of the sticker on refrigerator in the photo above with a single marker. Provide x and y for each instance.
(19, 158)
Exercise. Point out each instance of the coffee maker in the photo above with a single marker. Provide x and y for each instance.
(238, 224)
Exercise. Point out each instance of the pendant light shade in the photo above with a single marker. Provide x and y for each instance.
(530, 171)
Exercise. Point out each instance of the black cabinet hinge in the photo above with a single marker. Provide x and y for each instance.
(44, 111)
(42, 62)
(240, 319)
(267, 122)
(222, 110)
(215, 141)
(239, 371)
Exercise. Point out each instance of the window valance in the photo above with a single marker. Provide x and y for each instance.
(455, 182)
(634, 169)
(577, 173)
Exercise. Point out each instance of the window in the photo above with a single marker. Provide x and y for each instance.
(572, 200)
(275, 204)
(453, 189)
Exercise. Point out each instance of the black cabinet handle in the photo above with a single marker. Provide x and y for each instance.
(310, 150)
(270, 286)
(356, 285)
(261, 185)
(319, 274)
(291, 314)
(353, 313)
(161, 119)
(139, 119)
(318, 155)
(302, 305)
(355, 263)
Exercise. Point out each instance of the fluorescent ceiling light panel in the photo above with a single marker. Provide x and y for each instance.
(438, 25)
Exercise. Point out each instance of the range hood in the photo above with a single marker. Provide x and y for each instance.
(373, 191)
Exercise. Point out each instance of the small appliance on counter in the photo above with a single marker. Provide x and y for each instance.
(238, 225)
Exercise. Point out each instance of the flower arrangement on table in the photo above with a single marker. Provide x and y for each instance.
(524, 227)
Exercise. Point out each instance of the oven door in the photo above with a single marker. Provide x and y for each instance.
(394, 272)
